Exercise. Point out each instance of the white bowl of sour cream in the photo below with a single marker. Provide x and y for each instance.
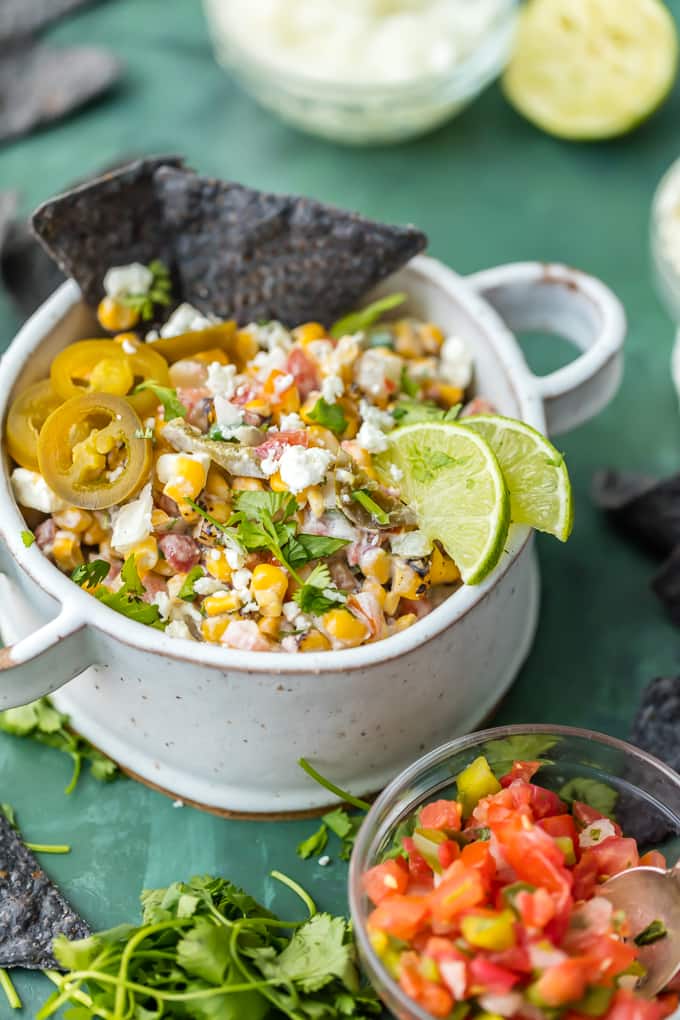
(363, 71)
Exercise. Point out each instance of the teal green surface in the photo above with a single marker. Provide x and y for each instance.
(487, 188)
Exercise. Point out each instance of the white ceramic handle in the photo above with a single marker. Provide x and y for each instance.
(552, 298)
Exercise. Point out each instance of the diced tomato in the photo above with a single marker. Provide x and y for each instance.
(386, 879)
(609, 956)
(534, 856)
(613, 855)
(276, 442)
(585, 815)
(419, 868)
(670, 1002)
(653, 859)
(433, 997)
(561, 825)
(448, 852)
(441, 814)
(516, 958)
(628, 1006)
(585, 877)
(520, 770)
(478, 855)
(563, 982)
(401, 916)
(442, 949)
(461, 888)
(536, 909)
(494, 979)
(303, 371)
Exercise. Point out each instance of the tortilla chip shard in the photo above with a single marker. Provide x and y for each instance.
(32, 910)
(253, 256)
(110, 221)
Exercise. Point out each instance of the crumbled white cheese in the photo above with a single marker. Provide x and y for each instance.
(371, 438)
(220, 379)
(283, 382)
(241, 578)
(596, 833)
(271, 335)
(122, 281)
(324, 861)
(132, 522)
(228, 416)
(301, 467)
(378, 372)
(396, 473)
(207, 585)
(344, 354)
(412, 545)
(178, 803)
(456, 362)
(332, 388)
(185, 319)
(152, 336)
(179, 629)
(235, 555)
(270, 465)
(291, 422)
(294, 615)
(32, 491)
(267, 362)
(164, 603)
(319, 350)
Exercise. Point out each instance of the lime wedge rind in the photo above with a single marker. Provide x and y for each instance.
(534, 471)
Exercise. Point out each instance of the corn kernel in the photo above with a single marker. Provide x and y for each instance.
(269, 585)
(127, 340)
(407, 343)
(242, 484)
(315, 498)
(217, 566)
(360, 456)
(221, 602)
(96, 534)
(351, 417)
(175, 584)
(208, 357)
(373, 587)
(73, 519)
(432, 337)
(344, 628)
(245, 347)
(270, 626)
(276, 483)
(116, 317)
(308, 407)
(259, 406)
(146, 555)
(213, 627)
(324, 438)
(188, 481)
(449, 395)
(66, 550)
(315, 641)
(308, 332)
(376, 563)
(217, 508)
(442, 568)
(159, 519)
(405, 620)
(407, 582)
(285, 399)
(217, 484)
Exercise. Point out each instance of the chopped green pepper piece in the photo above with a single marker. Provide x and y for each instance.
(494, 930)
(427, 842)
(566, 845)
(509, 894)
(596, 1001)
(475, 782)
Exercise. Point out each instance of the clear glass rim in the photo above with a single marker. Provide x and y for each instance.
(458, 75)
(403, 781)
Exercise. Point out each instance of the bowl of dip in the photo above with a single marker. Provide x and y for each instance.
(364, 71)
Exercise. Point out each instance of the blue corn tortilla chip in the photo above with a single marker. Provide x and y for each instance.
(22, 18)
(41, 84)
(251, 255)
(110, 221)
(646, 510)
(32, 910)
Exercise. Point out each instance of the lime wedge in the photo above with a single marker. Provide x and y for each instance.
(534, 472)
(452, 480)
(590, 69)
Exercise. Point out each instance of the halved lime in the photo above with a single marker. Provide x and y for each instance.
(451, 478)
(591, 69)
(534, 472)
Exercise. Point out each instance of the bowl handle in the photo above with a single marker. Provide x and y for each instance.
(36, 661)
(552, 298)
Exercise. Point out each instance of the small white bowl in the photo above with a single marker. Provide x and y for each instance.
(224, 728)
(363, 113)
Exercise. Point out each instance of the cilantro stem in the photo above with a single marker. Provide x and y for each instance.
(155, 993)
(58, 979)
(10, 991)
(48, 848)
(348, 798)
(297, 889)
(244, 969)
(75, 775)
(131, 945)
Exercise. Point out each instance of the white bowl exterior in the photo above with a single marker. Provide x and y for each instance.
(225, 728)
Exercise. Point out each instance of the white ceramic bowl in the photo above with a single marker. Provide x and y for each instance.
(223, 728)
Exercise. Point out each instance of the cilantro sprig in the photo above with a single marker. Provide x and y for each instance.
(128, 599)
(407, 411)
(318, 594)
(363, 498)
(41, 722)
(167, 396)
(364, 318)
(208, 950)
(187, 592)
(330, 416)
(159, 293)
(654, 931)
(90, 575)
(28, 538)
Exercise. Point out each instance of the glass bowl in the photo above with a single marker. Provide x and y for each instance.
(665, 239)
(648, 807)
(361, 113)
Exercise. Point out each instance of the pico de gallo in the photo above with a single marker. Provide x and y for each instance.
(490, 907)
(217, 482)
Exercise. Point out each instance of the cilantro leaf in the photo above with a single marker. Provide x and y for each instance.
(302, 549)
(159, 292)
(127, 600)
(260, 506)
(132, 582)
(409, 412)
(318, 594)
(41, 722)
(28, 538)
(652, 933)
(408, 385)
(89, 575)
(331, 416)
(317, 953)
(345, 827)
(373, 508)
(314, 844)
(172, 405)
(187, 592)
(596, 794)
(501, 753)
(364, 318)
